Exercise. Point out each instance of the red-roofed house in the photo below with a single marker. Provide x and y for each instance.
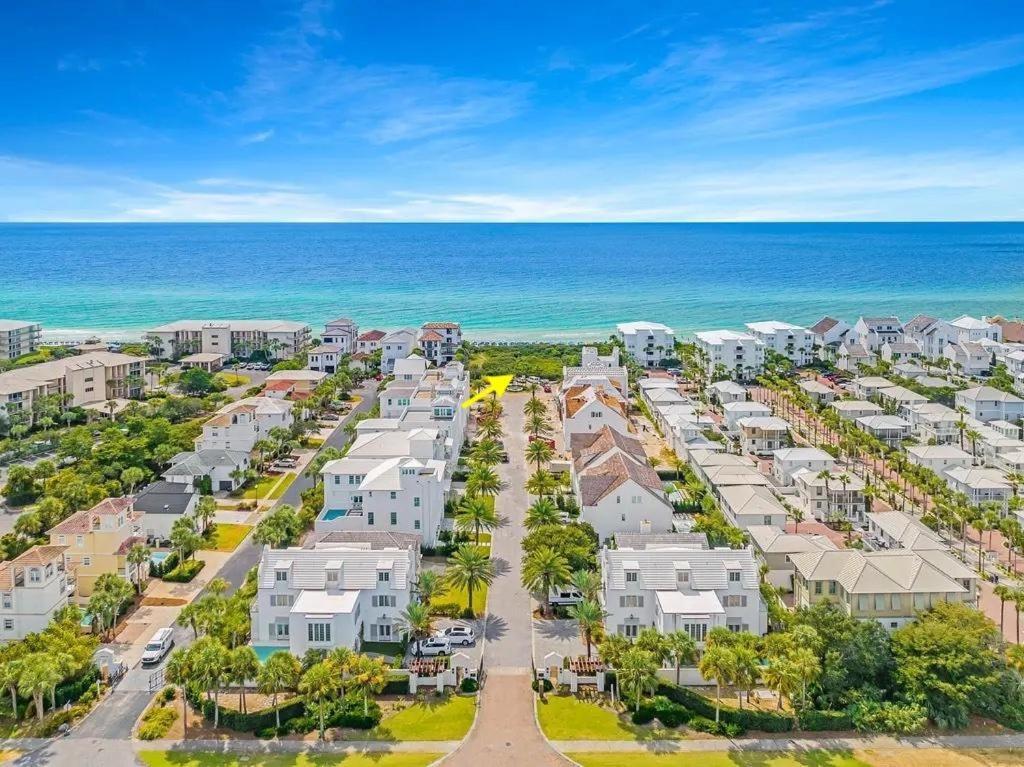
(370, 341)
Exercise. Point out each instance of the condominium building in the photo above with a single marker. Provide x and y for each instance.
(739, 356)
(343, 590)
(278, 339)
(679, 588)
(81, 380)
(793, 342)
(33, 587)
(647, 342)
(18, 338)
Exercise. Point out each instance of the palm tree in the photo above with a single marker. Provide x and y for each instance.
(539, 452)
(682, 649)
(587, 583)
(415, 621)
(589, 617)
(210, 663)
(826, 475)
(534, 406)
(10, 673)
(489, 428)
(39, 675)
(476, 513)
(245, 666)
(537, 425)
(486, 452)
(747, 669)
(543, 570)
(483, 480)
(541, 483)
(637, 672)
(320, 685)
(719, 663)
(806, 667)
(470, 568)
(1004, 594)
(280, 672)
(780, 675)
(369, 676)
(138, 555)
(132, 477)
(542, 512)
(428, 585)
(205, 511)
(179, 673)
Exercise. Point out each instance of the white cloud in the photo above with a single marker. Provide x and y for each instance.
(257, 138)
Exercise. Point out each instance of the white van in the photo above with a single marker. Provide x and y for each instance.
(565, 596)
(158, 647)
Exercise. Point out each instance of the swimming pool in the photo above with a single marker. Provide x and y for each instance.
(333, 514)
(158, 557)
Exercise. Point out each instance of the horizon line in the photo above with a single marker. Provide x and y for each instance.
(527, 222)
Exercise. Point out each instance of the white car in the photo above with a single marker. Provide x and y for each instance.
(463, 635)
(432, 646)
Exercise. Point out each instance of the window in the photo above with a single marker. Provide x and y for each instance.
(881, 602)
(698, 631)
(393, 495)
(319, 632)
(8, 624)
(895, 602)
(831, 587)
(384, 600)
(629, 630)
(279, 631)
(734, 576)
(79, 540)
(394, 517)
(383, 576)
(332, 576)
(87, 561)
(369, 518)
(281, 600)
(631, 600)
(8, 602)
(817, 587)
(682, 576)
(632, 576)
(416, 501)
(62, 539)
(416, 524)
(281, 576)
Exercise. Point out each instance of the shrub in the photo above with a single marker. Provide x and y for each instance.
(661, 708)
(731, 730)
(157, 722)
(469, 684)
(548, 686)
(446, 610)
(819, 721)
(51, 725)
(748, 719)
(185, 572)
(397, 685)
(349, 713)
(703, 724)
(900, 718)
(253, 721)
(167, 694)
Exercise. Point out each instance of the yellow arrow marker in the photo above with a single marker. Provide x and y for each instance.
(495, 385)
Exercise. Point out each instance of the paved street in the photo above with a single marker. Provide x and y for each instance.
(505, 732)
(114, 718)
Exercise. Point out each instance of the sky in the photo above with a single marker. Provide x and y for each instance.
(473, 110)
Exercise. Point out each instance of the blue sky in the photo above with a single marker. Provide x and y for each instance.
(167, 110)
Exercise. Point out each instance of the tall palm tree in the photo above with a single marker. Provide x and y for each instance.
(542, 512)
(719, 663)
(806, 666)
(369, 677)
(320, 685)
(543, 570)
(138, 555)
(39, 675)
(415, 621)
(541, 483)
(483, 480)
(537, 425)
(682, 649)
(539, 452)
(205, 511)
(469, 568)
(587, 583)
(476, 513)
(210, 663)
(637, 672)
(486, 452)
(534, 406)
(780, 675)
(1005, 594)
(428, 585)
(826, 475)
(280, 672)
(489, 427)
(589, 617)
(245, 666)
(179, 673)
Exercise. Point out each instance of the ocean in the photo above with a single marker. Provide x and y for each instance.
(503, 281)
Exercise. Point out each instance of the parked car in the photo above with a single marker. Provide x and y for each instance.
(564, 596)
(158, 647)
(432, 646)
(458, 634)
(328, 417)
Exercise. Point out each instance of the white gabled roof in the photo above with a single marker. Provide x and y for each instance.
(883, 422)
(746, 407)
(773, 326)
(764, 422)
(988, 393)
(708, 567)
(802, 454)
(701, 603)
(716, 337)
(966, 322)
(774, 540)
(308, 567)
(728, 387)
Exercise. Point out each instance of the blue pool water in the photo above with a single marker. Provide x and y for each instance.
(265, 651)
(333, 514)
(158, 557)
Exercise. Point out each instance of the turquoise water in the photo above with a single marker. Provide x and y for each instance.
(330, 514)
(528, 281)
(158, 557)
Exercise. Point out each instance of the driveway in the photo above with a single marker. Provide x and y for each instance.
(505, 732)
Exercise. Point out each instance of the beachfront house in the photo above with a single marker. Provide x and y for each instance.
(439, 341)
(370, 341)
(396, 345)
(595, 367)
(739, 356)
(874, 332)
(827, 334)
(341, 333)
(930, 334)
(895, 352)
(345, 589)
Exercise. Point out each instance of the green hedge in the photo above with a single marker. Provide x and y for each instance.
(819, 721)
(252, 721)
(744, 718)
(397, 685)
(665, 711)
(184, 573)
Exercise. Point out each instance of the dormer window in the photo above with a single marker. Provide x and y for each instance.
(281, 576)
(632, 576)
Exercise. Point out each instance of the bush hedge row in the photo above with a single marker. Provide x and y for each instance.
(185, 572)
(747, 719)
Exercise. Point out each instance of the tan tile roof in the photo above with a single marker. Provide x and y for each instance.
(586, 447)
(40, 555)
(441, 325)
(599, 481)
(371, 335)
(80, 522)
(430, 335)
(128, 542)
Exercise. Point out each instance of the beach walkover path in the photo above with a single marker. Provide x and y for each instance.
(505, 731)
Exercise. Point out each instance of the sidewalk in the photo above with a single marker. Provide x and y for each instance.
(237, 746)
(1014, 740)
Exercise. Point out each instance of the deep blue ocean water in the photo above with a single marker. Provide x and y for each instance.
(516, 280)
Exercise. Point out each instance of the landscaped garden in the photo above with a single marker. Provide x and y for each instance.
(224, 536)
(569, 717)
(447, 717)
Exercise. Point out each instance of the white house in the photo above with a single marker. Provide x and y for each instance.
(647, 342)
(874, 332)
(674, 588)
(734, 412)
(901, 398)
(971, 329)
(423, 444)
(817, 391)
(850, 356)
(604, 367)
(852, 409)
(1014, 362)
(980, 485)
(938, 458)
(773, 545)
(728, 391)
(867, 387)
(346, 589)
(589, 409)
(985, 404)
(396, 345)
(968, 357)
(617, 491)
(739, 355)
(746, 505)
(833, 498)
(895, 352)
(930, 334)
(223, 467)
(890, 429)
(704, 461)
(786, 462)
(793, 342)
(934, 421)
(370, 341)
(828, 334)
(325, 358)
(896, 530)
(439, 341)
(162, 504)
(409, 369)
(239, 425)
(33, 587)
(341, 333)
(397, 495)
(763, 435)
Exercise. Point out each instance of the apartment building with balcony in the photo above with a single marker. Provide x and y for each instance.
(278, 339)
(740, 356)
(647, 342)
(794, 342)
(18, 338)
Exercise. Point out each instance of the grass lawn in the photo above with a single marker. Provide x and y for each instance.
(209, 759)
(225, 536)
(393, 649)
(433, 718)
(566, 717)
(282, 486)
(720, 759)
(232, 379)
(269, 488)
(461, 596)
